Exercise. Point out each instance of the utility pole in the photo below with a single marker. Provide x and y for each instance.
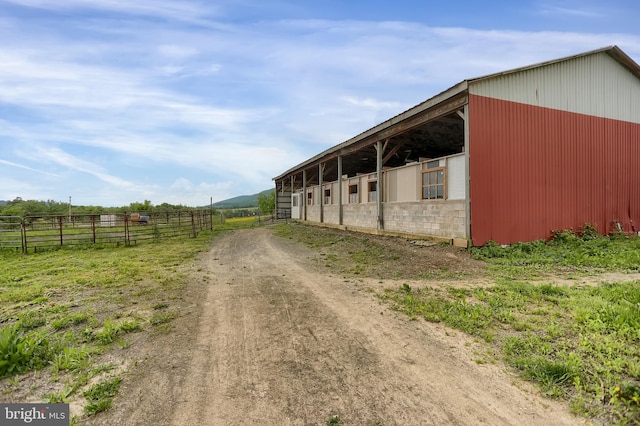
(69, 208)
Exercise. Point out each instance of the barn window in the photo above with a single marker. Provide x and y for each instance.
(310, 198)
(373, 187)
(353, 193)
(294, 200)
(327, 195)
(433, 184)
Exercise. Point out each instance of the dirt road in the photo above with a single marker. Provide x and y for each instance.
(269, 340)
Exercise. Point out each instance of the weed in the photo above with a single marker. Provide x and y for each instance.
(69, 320)
(31, 320)
(71, 359)
(59, 397)
(162, 317)
(20, 352)
(565, 249)
(111, 330)
(100, 396)
(333, 420)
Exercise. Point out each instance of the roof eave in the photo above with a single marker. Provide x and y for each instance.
(613, 51)
(421, 107)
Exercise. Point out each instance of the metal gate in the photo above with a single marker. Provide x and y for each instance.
(11, 236)
(37, 232)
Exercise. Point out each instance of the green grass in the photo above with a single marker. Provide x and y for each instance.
(20, 352)
(100, 396)
(63, 309)
(567, 251)
(580, 344)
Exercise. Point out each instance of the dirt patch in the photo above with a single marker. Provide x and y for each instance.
(271, 335)
(354, 254)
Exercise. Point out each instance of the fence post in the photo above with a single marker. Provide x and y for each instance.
(23, 235)
(126, 229)
(93, 227)
(193, 226)
(60, 225)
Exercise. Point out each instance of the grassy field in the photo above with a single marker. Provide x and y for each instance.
(63, 312)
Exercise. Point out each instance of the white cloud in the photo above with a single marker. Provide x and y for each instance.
(369, 103)
(21, 166)
(74, 163)
(11, 188)
(173, 51)
(572, 9)
(226, 105)
(174, 10)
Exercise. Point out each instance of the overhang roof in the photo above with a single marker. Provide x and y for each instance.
(458, 90)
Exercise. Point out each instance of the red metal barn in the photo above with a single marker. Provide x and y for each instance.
(507, 157)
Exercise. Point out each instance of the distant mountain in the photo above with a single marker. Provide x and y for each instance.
(241, 202)
(3, 202)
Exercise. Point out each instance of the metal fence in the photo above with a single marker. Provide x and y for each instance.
(37, 232)
(10, 232)
(282, 213)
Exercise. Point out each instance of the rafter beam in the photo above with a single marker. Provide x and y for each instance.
(393, 152)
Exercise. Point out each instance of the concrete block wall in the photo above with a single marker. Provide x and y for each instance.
(360, 215)
(331, 214)
(443, 219)
(313, 213)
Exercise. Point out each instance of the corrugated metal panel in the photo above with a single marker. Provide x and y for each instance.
(594, 85)
(456, 175)
(534, 170)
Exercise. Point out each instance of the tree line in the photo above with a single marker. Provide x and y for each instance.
(20, 207)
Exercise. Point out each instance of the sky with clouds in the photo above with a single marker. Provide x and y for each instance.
(177, 101)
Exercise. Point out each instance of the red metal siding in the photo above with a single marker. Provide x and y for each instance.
(534, 170)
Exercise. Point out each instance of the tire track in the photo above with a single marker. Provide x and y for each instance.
(277, 344)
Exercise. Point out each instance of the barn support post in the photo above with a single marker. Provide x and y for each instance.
(276, 204)
(379, 152)
(340, 190)
(282, 192)
(304, 195)
(321, 183)
(293, 182)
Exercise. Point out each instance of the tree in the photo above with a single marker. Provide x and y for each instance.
(267, 202)
(138, 206)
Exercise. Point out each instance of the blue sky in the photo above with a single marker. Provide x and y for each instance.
(115, 101)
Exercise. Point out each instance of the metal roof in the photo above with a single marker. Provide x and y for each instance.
(614, 51)
(459, 89)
